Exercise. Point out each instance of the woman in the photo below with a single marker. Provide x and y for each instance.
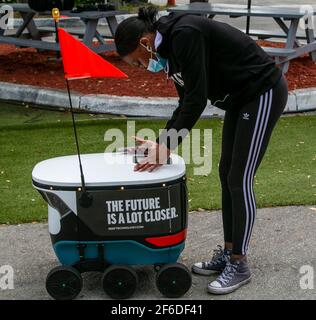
(212, 60)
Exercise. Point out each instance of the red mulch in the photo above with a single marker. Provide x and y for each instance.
(27, 66)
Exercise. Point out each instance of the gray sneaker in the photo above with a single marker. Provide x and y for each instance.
(216, 265)
(235, 275)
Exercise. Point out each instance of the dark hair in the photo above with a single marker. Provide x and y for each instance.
(130, 30)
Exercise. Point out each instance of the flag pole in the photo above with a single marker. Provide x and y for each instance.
(56, 38)
(76, 138)
(85, 198)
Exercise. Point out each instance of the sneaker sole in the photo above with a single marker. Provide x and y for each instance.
(204, 272)
(229, 289)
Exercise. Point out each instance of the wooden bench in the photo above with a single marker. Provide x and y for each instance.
(90, 19)
(278, 52)
(280, 55)
(26, 34)
(45, 45)
(268, 34)
(38, 44)
(73, 31)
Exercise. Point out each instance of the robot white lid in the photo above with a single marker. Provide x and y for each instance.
(103, 169)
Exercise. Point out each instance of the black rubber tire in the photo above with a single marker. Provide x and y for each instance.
(64, 283)
(174, 280)
(119, 281)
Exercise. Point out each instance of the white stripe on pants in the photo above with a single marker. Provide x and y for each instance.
(255, 147)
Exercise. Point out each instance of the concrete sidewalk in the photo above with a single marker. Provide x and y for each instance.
(284, 240)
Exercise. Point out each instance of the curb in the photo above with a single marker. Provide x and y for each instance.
(95, 103)
(300, 100)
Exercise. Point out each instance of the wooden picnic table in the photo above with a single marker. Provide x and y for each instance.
(29, 35)
(293, 47)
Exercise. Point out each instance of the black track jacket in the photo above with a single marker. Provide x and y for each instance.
(211, 60)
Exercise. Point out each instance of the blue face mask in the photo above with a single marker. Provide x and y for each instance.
(155, 65)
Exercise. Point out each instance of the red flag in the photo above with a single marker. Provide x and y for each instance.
(81, 62)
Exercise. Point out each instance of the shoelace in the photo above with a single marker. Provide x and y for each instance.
(228, 273)
(218, 256)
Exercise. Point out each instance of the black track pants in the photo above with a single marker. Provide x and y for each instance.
(246, 134)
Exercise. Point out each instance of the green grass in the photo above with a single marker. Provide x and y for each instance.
(287, 175)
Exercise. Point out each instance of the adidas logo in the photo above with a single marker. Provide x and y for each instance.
(246, 116)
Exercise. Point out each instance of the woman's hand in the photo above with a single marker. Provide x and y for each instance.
(156, 155)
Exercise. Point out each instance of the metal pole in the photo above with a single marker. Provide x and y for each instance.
(57, 40)
(76, 138)
(248, 18)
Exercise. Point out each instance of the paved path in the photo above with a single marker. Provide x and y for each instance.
(284, 240)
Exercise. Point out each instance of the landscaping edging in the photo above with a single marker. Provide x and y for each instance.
(300, 100)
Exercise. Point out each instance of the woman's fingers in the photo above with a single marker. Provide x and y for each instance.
(139, 166)
(147, 167)
(154, 167)
(144, 167)
(139, 139)
(151, 161)
(131, 150)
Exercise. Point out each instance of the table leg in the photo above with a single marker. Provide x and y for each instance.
(285, 67)
(2, 29)
(90, 32)
(30, 25)
(310, 36)
(112, 23)
(248, 25)
(26, 19)
(291, 32)
(99, 37)
(291, 41)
